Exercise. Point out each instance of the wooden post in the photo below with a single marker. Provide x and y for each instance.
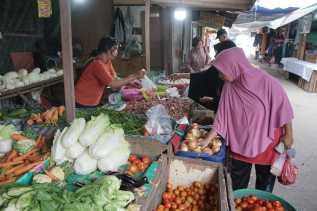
(147, 34)
(67, 53)
(302, 46)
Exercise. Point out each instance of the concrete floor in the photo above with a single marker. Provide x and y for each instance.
(303, 194)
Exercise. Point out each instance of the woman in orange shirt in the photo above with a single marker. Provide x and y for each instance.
(100, 74)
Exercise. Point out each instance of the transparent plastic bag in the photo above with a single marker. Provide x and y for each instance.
(159, 123)
(289, 172)
(148, 84)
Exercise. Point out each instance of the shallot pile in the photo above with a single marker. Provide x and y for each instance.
(176, 107)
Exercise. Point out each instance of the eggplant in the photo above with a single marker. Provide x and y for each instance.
(128, 182)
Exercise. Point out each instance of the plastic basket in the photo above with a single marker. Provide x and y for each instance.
(218, 157)
(263, 195)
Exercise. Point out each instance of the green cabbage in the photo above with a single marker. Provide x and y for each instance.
(24, 146)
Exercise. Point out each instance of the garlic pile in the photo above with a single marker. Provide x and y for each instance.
(195, 137)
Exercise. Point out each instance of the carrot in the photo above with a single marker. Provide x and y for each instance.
(54, 118)
(38, 141)
(3, 177)
(50, 175)
(30, 122)
(26, 155)
(10, 163)
(38, 120)
(61, 110)
(8, 181)
(11, 170)
(11, 155)
(34, 157)
(25, 168)
(18, 137)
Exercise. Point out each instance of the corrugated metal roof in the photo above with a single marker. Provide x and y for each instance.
(292, 16)
(241, 5)
(282, 21)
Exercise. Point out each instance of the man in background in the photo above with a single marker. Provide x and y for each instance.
(224, 43)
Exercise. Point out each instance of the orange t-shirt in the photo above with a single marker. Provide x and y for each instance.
(95, 78)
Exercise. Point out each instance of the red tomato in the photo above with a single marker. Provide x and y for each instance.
(146, 160)
(250, 201)
(269, 205)
(244, 205)
(167, 205)
(132, 158)
(277, 204)
(166, 196)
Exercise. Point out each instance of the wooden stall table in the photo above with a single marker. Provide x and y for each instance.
(24, 91)
(305, 70)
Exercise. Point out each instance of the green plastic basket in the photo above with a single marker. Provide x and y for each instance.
(263, 195)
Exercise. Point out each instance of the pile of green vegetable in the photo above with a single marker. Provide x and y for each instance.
(102, 195)
(132, 124)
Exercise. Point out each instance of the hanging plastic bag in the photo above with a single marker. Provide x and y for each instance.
(148, 84)
(159, 124)
(289, 171)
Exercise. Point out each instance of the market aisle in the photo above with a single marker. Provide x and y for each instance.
(303, 194)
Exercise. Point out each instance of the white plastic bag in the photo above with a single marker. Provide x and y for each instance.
(159, 123)
(147, 84)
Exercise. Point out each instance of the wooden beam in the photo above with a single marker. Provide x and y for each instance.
(211, 4)
(302, 46)
(128, 2)
(147, 34)
(67, 53)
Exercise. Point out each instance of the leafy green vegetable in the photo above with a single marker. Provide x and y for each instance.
(132, 124)
(24, 146)
(6, 131)
(103, 194)
(31, 134)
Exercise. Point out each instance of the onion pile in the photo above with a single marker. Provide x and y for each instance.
(197, 197)
(195, 138)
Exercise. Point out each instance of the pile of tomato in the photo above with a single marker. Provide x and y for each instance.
(197, 197)
(138, 165)
(252, 203)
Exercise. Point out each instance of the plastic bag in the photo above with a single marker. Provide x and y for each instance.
(289, 172)
(130, 94)
(147, 84)
(159, 123)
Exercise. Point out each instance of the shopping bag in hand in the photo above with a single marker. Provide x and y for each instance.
(289, 172)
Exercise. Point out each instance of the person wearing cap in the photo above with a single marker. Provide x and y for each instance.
(100, 74)
(224, 43)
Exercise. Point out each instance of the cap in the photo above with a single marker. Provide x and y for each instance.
(221, 32)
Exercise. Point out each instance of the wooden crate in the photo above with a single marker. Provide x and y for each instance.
(184, 171)
(155, 150)
(310, 86)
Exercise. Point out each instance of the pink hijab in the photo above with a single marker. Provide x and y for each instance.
(252, 105)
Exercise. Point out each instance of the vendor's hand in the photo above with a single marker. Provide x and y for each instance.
(140, 74)
(288, 141)
(206, 99)
(131, 78)
(205, 142)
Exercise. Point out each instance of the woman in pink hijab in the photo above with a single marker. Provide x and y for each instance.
(254, 112)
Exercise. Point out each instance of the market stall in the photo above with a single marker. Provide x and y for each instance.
(305, 70)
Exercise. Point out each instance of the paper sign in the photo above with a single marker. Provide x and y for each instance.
(44, 8)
